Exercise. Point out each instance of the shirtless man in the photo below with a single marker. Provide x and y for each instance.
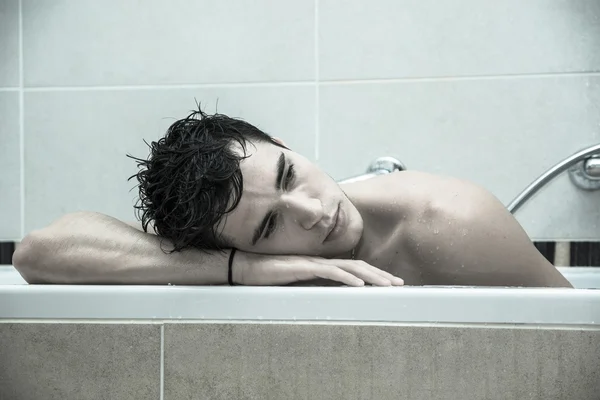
(214, 183)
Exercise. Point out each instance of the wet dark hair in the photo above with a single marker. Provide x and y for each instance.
(192, 179)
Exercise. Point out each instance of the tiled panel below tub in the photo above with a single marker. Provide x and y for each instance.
(79, 361)
(323, 361)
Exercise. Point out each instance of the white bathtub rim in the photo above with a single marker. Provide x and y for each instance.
(445, 305)
(369, 304)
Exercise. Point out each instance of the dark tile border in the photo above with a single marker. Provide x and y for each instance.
(585, 254)
(6, 252)
(547, 249)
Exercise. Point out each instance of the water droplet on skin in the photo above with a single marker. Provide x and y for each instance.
(436, 231)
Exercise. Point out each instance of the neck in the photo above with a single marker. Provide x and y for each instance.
(367, 208)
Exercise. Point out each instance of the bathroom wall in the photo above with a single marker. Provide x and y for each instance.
(491, 92)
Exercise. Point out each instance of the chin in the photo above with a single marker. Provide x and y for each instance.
(355, 224)
(349, 241)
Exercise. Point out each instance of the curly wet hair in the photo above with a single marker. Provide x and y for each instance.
(192, 179)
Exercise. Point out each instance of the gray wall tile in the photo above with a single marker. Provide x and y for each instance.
(501, 134)
(9, 43)
(10, 167)
(76, 142)
(562, 211)
(271, 361)
(73, 42)
(79, 361)
(415, 38)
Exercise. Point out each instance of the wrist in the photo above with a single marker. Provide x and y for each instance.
(239, 264)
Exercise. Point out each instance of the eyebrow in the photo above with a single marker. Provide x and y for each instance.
(280, 167)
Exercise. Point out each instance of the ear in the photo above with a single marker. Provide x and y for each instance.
(278, 140)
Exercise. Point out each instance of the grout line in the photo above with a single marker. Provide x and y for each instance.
(458, 78)
(162, 362)
(562, 254)
(9, 89)
(301, 83)
(317, 105)
(166, 86)
(21, 120)
(508, 325)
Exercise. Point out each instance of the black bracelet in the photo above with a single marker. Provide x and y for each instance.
(230, 273)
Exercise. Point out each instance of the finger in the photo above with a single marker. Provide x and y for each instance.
(366, 274)
(393, 279)
(317, 270)
(336, 274)
(364, 266)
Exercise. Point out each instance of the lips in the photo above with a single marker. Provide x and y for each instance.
(333, 223)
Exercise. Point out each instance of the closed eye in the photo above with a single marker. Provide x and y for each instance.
(284, 180)
(290, 176)
(271, 226)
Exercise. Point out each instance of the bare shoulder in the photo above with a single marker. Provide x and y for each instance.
(415, 192)
(457, 232)
(138, 225)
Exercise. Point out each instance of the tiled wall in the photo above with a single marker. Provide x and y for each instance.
(492, 92)
(295, 361)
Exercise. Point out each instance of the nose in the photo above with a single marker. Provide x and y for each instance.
(306, 210)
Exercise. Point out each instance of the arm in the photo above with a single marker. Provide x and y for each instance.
(470, 238)
(92, 248)
(88, 247)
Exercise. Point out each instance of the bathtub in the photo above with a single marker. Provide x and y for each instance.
(183, 342)
(370, 304)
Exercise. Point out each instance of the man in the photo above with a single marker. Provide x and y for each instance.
(215, 183)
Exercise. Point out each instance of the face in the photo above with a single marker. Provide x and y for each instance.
(290, 206)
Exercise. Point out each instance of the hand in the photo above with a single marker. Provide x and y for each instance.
(264, 270)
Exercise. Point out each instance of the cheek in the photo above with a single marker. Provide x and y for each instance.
(290, 239)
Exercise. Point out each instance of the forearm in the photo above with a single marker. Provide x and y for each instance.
(92, 248)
